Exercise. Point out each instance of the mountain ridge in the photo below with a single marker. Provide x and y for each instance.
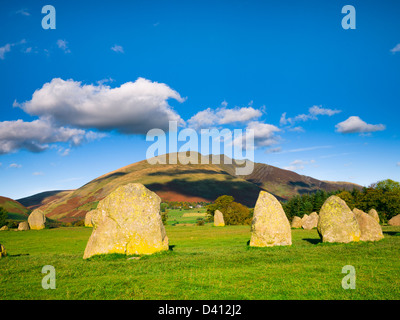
(186, 182)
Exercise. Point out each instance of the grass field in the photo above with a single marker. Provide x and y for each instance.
(178, 217)
(205, 262)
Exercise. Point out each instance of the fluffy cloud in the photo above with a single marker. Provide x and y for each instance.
(63, 45)
(4, 49)
(395, 49)
(221, 116)
(134, 107)
(263, 134)
(7, 48)
(117, 48)
(313, 112)
(298, 165)
(36, 135)
(355, 125)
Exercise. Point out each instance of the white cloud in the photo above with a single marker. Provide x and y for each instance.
(15, 165)
(313, 112)
(7, 48)
(355, 125)
(305, 149)
(298, 165)
(264, 133)
(117, 48)
(23, 12)
(39, 173)
(297, 129)
(396, 48)
(397, 164)
(134, 107)
(221, 116)
(36, 135)
(4, 49)
(63, 45)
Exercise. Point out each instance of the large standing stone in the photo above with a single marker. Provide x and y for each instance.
(218, 219)
(3, 251)
(374, 214)
(337, 222)
(370, 229)
(88, 218)
(4, 228)
(270, 226)
(311, 222)
(128, 221)
(37, 220)
(296, 222)
(23, 226)
(395, 221)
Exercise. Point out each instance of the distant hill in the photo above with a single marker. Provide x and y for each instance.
(178, 182)
(40, 199)
(15, 209)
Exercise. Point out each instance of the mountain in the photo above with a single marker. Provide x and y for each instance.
(190, 182)
(15, 209)
(40, 199)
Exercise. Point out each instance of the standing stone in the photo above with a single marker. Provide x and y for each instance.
(337, 222)
(296, 222)
(270, 226)
(374, 214)
(23, 226)
(128, 221)
(4, 228)
(311, 222)
(305, 217)
(395, 221)
(218, 219)
(88, 218)
(370, 229)
(37, 220)
(3, 251)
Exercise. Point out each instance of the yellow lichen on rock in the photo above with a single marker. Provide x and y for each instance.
(128, 221)
(270, 226)
(337, 223)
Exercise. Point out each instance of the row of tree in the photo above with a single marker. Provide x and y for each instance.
(383, 196)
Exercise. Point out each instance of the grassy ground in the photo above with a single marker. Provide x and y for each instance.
(205, 262)
(178, 217)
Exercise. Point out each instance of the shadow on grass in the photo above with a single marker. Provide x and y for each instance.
(391, 233)
(17, 255)
(313, 241)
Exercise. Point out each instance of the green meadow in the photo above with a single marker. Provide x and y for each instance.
(204, 262)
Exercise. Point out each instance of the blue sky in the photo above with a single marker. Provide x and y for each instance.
(324, 101)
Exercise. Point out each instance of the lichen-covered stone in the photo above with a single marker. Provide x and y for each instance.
(311, 221)
(23, 226)
(337, 222)
(88, 218)
(3, 251)
(4, 228)
(369, 227)
(296, 222)
(218, 219)
(374, 214)
(37, 220)
(128, 221)
(395, 221)
(270, 226)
